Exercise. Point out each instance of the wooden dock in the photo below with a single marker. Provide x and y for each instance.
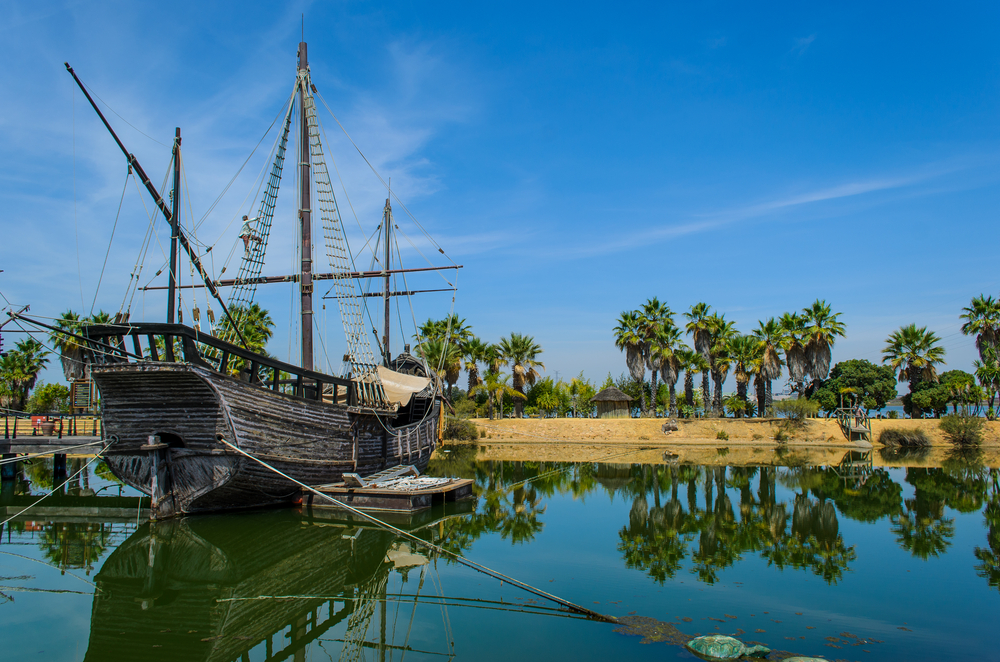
(399, 489)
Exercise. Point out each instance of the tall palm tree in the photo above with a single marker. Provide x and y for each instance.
(771, 336)
(699, 326)
(690, 362)
(668, 344)
(913, 352)
(630, 337)
(982, 319)
(474, 351)
(656, 317)
(722, 332)
(794, 328)
(521, 352)
(743, 352)
(444, 361)
(822, 330)
(988, 373)
(19, 370)
(70, 350)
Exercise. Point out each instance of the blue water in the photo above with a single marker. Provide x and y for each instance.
(796, 558)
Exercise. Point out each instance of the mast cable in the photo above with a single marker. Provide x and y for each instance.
(424, 543)
(110, 241)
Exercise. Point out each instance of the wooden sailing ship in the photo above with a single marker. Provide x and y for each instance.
(176, 400)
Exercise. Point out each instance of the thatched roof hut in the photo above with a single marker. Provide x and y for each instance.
(612, 403)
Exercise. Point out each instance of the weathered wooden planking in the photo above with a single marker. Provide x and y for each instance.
(376, 498)
(191, 408)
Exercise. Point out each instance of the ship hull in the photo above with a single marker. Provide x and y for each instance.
(169, 424)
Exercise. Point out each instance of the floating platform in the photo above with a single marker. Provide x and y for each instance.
(400, 489)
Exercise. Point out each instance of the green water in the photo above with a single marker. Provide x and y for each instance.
(886, 564)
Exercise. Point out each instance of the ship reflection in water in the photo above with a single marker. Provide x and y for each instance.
(224, 588)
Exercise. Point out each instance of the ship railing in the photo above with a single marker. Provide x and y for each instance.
(110, 344)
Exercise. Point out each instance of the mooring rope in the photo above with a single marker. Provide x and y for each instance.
(440, 550)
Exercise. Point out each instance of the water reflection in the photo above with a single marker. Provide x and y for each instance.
(682, 517)
(203, 588)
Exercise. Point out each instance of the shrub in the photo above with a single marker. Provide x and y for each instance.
(722, 434)
(894, 437)
(781, 436)
(757, 435)
(796, 410)
(893, 414)
(465, 408)
(962, 429)
(461, 429)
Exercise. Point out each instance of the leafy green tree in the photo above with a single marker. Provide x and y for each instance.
(873, 385)
(912, 353)
(49, 399)
(255, 325)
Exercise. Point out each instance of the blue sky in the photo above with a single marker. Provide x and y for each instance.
(576, 158)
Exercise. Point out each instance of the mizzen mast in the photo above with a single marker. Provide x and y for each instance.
(305, 216)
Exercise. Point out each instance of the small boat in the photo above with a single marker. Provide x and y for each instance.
(178, 401)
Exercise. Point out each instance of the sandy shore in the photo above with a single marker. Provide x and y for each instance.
(751, 441)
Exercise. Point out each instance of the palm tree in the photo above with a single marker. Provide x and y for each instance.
(669, 343)
(496, 387)
(656, 317)
(699, 326)
(474, 351)
(988, 373)
(771, 336)
(630, 337)
(822, 330)
(70, 350)
(794, 328)
(982, 318)
(743, 352)
(443, 360)
(19, 370)
(722, 332)
(452, 327)
(913, 352)
(255, 325)
(521, 352)
(691, 362)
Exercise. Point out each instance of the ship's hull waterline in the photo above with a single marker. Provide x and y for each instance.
(194, 410)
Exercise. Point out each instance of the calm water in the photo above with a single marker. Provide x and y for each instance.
(874, 564)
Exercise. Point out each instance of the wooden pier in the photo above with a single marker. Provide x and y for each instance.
(400, 489)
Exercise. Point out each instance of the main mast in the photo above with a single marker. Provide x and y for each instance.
(175, 216)
(386, 224)
(305, 216)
